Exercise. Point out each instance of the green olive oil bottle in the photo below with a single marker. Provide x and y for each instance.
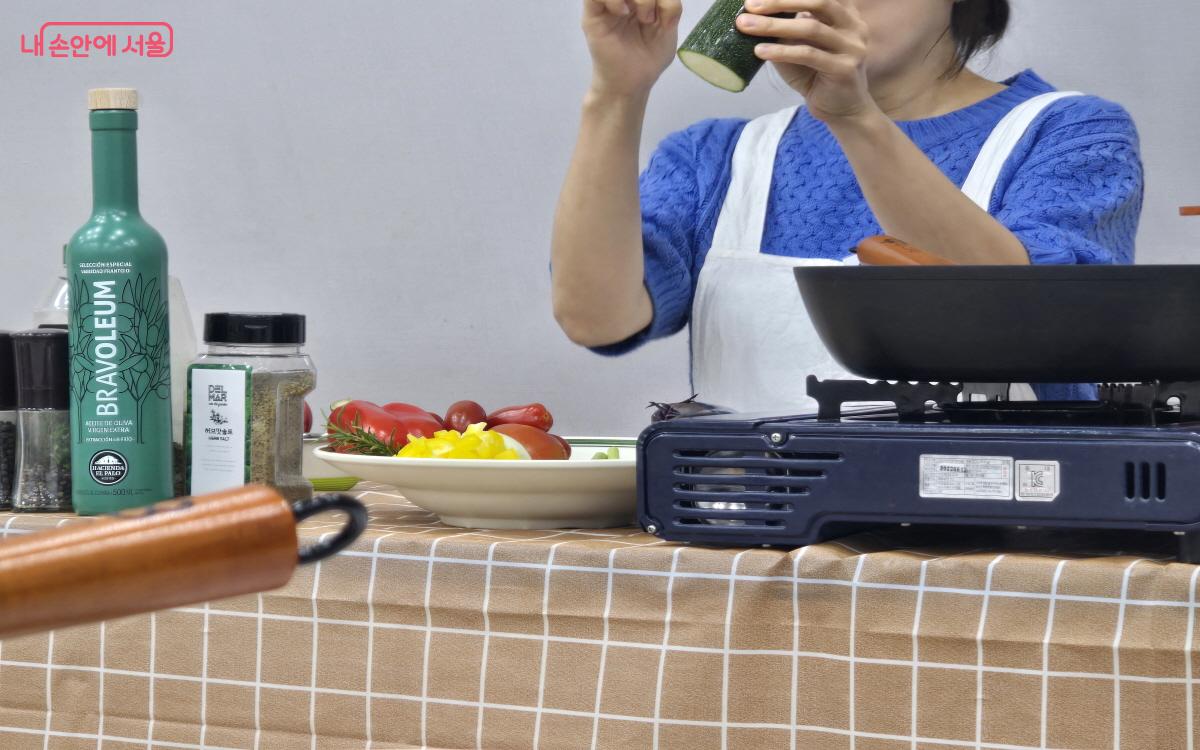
(121, 454)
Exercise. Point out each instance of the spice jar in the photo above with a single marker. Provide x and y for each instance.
(43, 421)
(245, 400)
(8, 420)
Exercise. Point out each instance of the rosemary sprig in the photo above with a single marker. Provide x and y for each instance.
(360, 442)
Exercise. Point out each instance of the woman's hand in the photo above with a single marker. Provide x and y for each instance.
(821, 52)
(632, 42)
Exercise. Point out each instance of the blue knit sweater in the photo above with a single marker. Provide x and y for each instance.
(1072, 192)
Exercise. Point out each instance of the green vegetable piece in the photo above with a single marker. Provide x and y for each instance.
(718, 52)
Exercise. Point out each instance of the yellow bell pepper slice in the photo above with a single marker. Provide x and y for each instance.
(476, 443)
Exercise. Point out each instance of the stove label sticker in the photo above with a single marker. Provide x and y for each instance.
(1038, 481)
(967, 477)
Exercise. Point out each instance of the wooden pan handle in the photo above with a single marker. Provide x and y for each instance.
(889, 251)
(1189, 211)
(180, 552)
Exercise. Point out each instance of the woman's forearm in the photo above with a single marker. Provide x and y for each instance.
(914, 201)
(599, 291)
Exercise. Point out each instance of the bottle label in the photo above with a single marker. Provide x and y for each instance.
(108, 468)
(120, 383)
(218, 429)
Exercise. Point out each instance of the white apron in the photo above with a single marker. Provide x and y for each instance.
(753, 344)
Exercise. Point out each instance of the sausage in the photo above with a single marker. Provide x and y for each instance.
(889, 251)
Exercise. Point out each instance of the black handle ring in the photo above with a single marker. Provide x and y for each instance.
(356, 524)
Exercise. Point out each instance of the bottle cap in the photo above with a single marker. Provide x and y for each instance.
(112, 99)
(254, 328)
(8, 373)
(43, 374)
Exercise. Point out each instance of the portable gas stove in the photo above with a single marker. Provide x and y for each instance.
(940, 454)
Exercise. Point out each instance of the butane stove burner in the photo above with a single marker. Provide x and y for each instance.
(1118, 404)
(928, 454)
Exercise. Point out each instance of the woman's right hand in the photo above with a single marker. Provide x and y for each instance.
(632, 42)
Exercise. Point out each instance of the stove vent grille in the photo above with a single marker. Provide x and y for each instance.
(744, 488)
(1145, 481)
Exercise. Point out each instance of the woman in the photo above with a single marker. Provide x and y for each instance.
(897, 137)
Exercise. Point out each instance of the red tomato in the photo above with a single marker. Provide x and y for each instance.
(563, 442)
(308, 418)
(438, 419)
(463, 414)
(540, 445)
(364, 428)
(399, 409)
(419, 425)
(534, 415)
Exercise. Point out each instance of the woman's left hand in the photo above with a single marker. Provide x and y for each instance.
(821, 51)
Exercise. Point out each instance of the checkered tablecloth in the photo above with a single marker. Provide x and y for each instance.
(428, 636)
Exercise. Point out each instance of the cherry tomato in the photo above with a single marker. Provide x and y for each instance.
(540, 445)
(308, 418)
(440, 421)
(463, 414)
(534, 415)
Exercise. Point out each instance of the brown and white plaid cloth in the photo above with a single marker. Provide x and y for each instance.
(428, 636)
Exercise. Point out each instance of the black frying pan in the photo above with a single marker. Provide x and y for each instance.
(990, 324)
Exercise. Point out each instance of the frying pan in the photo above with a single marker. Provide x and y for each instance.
(908, 315)
(184, 551)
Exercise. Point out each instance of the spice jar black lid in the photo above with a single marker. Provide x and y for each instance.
(254, 328)
(43, 374)
(8, 373)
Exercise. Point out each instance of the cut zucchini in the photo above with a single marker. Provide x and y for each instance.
(713, 71)
(719, 53)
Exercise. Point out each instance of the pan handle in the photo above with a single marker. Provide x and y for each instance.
(889, 251)
(1189, 211)
(356, 524)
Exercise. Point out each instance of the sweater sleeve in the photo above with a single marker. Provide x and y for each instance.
(1075, 193)
(675, 188)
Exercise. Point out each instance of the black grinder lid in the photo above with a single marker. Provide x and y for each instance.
(8, 373)
(42, 364)
(254, 328)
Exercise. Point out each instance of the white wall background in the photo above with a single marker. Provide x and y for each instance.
(390, 167)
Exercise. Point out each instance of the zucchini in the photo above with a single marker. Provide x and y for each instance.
(719, 53)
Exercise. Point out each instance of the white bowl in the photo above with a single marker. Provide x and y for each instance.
(582, 493)
(324, 476)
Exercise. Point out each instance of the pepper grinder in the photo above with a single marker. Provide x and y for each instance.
(8, 420)
(43, 421)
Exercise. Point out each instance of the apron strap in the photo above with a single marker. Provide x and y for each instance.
(980, 186)
(744, 213)
(981, 182)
